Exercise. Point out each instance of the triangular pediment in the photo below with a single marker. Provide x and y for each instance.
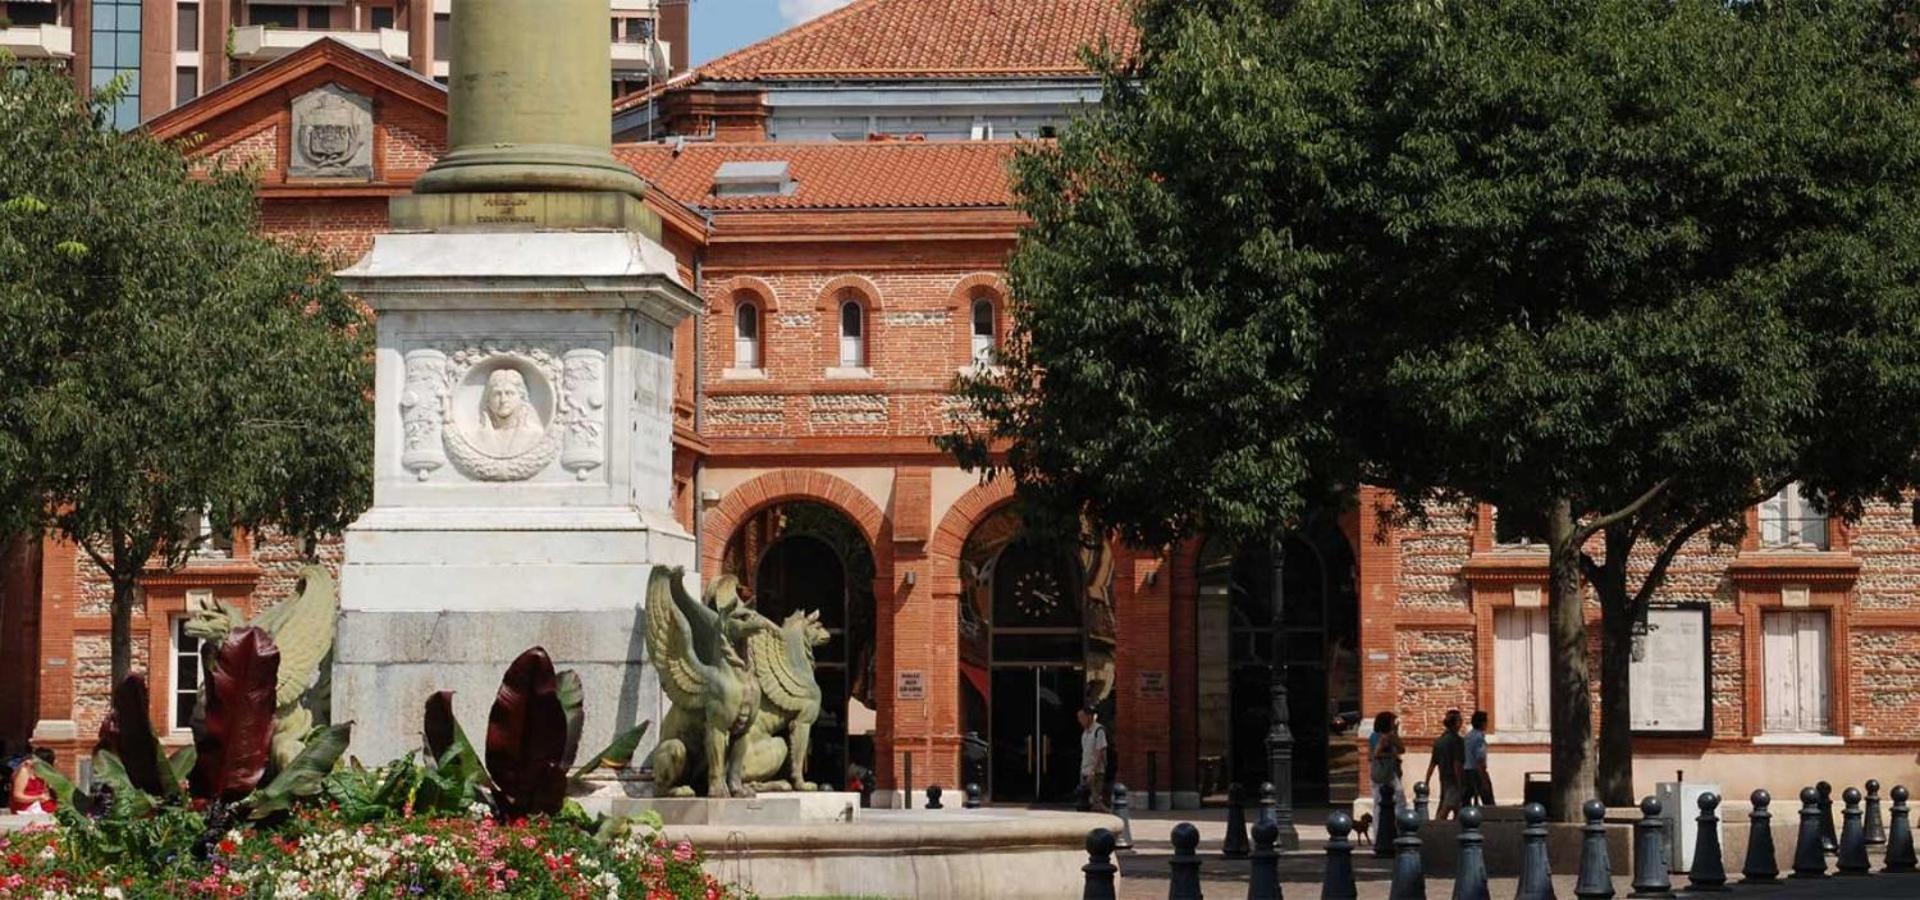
(327, 119)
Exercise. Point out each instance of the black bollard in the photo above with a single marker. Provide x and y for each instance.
(1596, 868)
(1708, 871)
(1385, 819)
(1099, 869)
(1269, 801)
(933, 797)
(1337, 882)
(1650, 877)
(1876, 828)
(1123, 807)
(1829, 841)
(1235, 845)
(1899, 835)
(1762, 866)
(1853, 838)
(1409, 877)
(1421, 800)
(1809, 857)
(1185, 883)
(1536, 873)
(1470, 867)
(1263, 879)
(973, 795)
(906, 794)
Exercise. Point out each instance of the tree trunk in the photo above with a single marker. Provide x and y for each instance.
(125, 588)
(1616, 705)
(1615, 784)
(1570, 702)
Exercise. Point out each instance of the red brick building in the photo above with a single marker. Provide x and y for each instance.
(838, 195)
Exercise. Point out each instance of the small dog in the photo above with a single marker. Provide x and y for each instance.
(1363, 829)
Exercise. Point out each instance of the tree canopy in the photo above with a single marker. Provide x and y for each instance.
(158, 356)
(1627, 265)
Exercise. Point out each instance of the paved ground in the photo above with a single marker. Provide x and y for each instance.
(1144, 872)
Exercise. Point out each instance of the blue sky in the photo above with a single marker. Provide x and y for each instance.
(722, 26)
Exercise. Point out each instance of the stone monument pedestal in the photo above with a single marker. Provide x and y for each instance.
(523, 472)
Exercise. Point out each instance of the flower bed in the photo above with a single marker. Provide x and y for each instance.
(318, 853)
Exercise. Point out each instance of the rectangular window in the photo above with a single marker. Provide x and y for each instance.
(23, 14)
(273, 15)
(185, 676)
(116, 53)
(186, 28)
(1793, 519)
(320, 18)
(442, 38)
(1520, 671)
(382, 17)
(1795, 652)
(1519, 528)
(186, 85)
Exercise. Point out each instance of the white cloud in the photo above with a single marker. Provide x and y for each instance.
(797, 11)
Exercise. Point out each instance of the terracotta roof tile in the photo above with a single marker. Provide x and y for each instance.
(926, 39)
(880, 175)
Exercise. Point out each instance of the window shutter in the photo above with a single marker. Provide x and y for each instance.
(1811, 671)
(1512, 672)
(1542, 703)
(1779, 651)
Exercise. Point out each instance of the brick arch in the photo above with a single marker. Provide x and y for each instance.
(732, 287)
(781, 485)
(965, 288)
(973, 507)
(830, 293)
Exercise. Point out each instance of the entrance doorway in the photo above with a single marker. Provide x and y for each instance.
(1029, 658)
(804, 556)
(1317, 641)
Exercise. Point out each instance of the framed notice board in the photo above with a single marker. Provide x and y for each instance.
(1671, 676)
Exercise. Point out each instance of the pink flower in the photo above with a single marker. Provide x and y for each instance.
(683, 852)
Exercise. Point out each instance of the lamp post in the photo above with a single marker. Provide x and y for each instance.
(1279, 736)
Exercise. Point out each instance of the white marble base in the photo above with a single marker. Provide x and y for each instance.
(767, 809)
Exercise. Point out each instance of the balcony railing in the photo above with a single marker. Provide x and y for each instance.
(259, 43)
(37, 41)
(641, 57)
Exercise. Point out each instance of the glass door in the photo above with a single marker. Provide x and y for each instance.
(1036, 738)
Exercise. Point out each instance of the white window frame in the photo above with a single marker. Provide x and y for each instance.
(208, 542)
(1796, 651)
(1793, 520)
(1522, 699)
(983, 343)
(176, 657)
(853, 334)
(746, 348)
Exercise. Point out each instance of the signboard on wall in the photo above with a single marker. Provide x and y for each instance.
(1153, 686)
(910, 684)
(1670, 675)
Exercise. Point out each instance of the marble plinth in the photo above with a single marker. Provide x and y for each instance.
(523, 474)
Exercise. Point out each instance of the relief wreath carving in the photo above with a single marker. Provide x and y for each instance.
(482, 406)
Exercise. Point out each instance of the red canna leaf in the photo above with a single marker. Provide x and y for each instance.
(109, 734)
(439, 723)
(138, 747)
(526, 736)
(234, 740)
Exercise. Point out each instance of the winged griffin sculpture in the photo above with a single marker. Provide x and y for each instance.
(738, 682)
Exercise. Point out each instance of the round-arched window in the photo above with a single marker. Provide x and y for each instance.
(746, 336)
(853, 334)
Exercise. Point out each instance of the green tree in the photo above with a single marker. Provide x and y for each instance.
(158, 357)
(1626, 267)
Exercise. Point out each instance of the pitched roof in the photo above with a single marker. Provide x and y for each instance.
(925, 39)
(880, 175)
(326, 53)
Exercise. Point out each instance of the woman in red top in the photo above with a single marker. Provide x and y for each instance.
(30, 793)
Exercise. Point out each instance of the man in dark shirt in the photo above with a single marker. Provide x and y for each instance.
(1449, 758)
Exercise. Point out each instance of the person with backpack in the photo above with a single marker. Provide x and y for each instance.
(1095, 764)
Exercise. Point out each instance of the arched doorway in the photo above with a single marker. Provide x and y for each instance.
(1036, 644)
(1318, 641)
(801, 556)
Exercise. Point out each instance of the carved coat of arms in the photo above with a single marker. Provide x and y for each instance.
(332, 134)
